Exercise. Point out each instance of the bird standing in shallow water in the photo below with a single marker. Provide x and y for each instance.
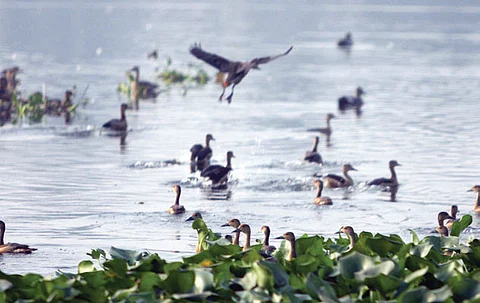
(12, 247)
(141, 89)
(218, 174)
(441, 229)
(325, 130)
(313, 156)
(386, 181)
(201, 155)
(319, 199)
(332, 180)
(346, 41)
(235, 70)
(118, 124)
(176, 208)
(453, 214)
(355, 102)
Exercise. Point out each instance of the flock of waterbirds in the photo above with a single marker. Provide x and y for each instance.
(232, 73)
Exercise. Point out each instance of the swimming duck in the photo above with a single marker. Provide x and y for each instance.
(203, 154)
(176, 208)
(12, 247)
(266, 247)
(347, 102)
(348, 230)
(386, 181)
(141, 89)
(476, 189)
(313, 156)
(453, 214)
(441, 229)
(194, 216)
(219, 174)
(334, 181)
(324, 130)
(290, 237)
(319, 199)
(235, 70)
(235, 223)
(244, 228)
(346, 41)
(118, 124)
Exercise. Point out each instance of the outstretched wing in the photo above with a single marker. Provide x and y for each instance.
(222, 64)
(264, 60)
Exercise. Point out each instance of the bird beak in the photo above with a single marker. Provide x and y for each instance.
(470, 190)
(354, 169)
(223, 225)
(190, 219)
(281, 237)
(236, 231)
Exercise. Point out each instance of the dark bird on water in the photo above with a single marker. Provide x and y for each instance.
(12, 247)
(201, 155)
(354, 102)
(218, 174)
(346, 41)
(118, 124)
(235, 70)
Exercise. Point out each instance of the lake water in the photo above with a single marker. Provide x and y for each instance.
(68, 189)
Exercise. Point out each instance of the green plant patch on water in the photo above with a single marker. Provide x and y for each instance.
(377, 268)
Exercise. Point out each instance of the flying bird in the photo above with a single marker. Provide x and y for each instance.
(235, 70)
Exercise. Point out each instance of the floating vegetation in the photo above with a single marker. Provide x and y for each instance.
(376, 268)
(194, 75)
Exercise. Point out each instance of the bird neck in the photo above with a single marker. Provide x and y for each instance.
(319, 190)
(177, 198)
(236, 239)
(477, 201)
(207, 142)
(229, 162)
(440, 222)
(122, 115)
(247, 241)
(352, 240)
(347, 177)
(328, 123)
(293, 251)
(266, 241)
(315, 145)
(393, 174)
(2, 233)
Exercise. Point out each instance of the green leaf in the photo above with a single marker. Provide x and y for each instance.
(130, 256)
(86, 266)
(459, 226)
(354, 262)
(179, 282)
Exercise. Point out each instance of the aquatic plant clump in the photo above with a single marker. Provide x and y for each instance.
(377, 268)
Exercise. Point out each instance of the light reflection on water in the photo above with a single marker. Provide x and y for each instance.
(66, 190)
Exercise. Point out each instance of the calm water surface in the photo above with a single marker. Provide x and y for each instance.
(66, 190)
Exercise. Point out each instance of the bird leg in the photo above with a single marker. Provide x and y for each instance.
(221, 96)
(229, 98)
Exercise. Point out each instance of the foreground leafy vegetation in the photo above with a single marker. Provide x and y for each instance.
(377, 268)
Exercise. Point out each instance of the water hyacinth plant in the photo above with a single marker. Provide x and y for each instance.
(376, 268)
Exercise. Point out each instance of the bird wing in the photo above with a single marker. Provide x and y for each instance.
(380, 181)
(263, 60)
(222, 64)
(334, 177)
